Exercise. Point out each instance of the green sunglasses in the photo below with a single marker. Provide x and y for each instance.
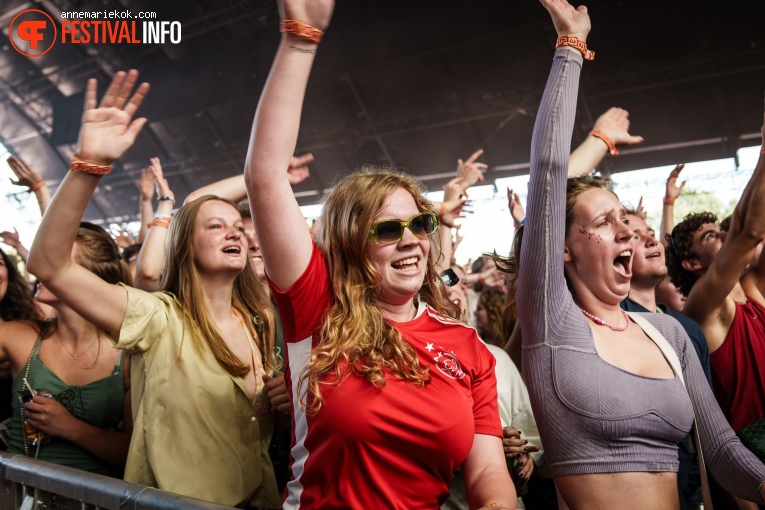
(423, 224)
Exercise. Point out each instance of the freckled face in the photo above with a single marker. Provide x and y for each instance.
(402, 266)
(599, 250)
(219, 242)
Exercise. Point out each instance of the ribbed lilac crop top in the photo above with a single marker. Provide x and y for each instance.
(594, 417)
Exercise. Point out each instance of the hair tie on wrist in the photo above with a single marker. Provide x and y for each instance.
(164, 198)
(607, 140)
(300, 29)
(577, 44)
(78, 165)
(442, 210)
(522, 222)
(37, 186)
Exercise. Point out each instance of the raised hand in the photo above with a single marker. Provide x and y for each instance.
(124, 239)
(615, 123)
(567, 19)
(316, 13)
(163, 188)
(515, 206)
(11, 238)
(673, 190)
(146, 184)
(108, 130)
(470, 172)
(25, 175)
(298, 170)
(640, 210)
(452, 210)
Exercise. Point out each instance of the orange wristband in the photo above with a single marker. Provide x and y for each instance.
(161, 222)
(37, 186)
(607, 139)
(442, 210)
(300, 29)
(669, 201)
(77, 165)
(576, 43)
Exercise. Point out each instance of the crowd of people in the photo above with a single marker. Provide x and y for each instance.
(232, 354)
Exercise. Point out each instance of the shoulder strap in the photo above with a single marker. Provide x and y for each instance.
(671, 356)
(669, 353)
(32, 354)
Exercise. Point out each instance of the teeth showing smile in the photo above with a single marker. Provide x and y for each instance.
(232, 249)
(406, 262)
(626, 253)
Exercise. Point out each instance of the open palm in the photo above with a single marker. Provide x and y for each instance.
(109, 130)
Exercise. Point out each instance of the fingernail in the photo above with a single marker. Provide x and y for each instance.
(525, 441)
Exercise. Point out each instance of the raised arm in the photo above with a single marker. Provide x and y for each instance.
(542, 291)
(615, 124)
(26, 176)
(280, 226)
(146, 209)
(151, 258)
(107, 131)
(671, 192)
(234, 189)
(747, 230)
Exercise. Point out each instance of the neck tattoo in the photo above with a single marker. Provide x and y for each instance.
(601, 322)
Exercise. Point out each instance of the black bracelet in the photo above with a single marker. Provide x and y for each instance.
(163, 198)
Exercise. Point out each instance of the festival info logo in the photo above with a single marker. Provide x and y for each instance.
(32, 33)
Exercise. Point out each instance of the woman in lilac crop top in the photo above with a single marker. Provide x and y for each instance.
(609, 407)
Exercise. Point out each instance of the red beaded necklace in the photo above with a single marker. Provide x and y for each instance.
(601, 322)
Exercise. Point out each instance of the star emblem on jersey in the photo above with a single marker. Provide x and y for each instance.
(429, 347)
(447, 363)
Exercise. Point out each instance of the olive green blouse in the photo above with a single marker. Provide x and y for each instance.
(196, 431)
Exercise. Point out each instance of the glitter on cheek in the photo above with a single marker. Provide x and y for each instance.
(590, 236)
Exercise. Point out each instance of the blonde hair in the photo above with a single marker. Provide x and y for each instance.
(354, 329)
(249, 298)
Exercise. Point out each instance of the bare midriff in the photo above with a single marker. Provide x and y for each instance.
(622, 491)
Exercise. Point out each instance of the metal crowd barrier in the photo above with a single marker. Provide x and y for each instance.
(29, 484)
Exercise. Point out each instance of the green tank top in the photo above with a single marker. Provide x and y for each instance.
(98, 404)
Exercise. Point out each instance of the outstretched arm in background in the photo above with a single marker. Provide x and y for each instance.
(146, 186)
(107, 131)
(280, 226)
(26, 176)
(614, 123)
(672, 191)
(234, 189)
(709, 294)
(151, 258)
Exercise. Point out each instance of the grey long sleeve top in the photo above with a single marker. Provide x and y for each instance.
(594, 417)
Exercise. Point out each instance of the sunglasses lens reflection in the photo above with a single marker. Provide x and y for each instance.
(389, 231)
(423, 225)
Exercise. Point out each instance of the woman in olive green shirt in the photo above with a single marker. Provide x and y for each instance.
(200, 348)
